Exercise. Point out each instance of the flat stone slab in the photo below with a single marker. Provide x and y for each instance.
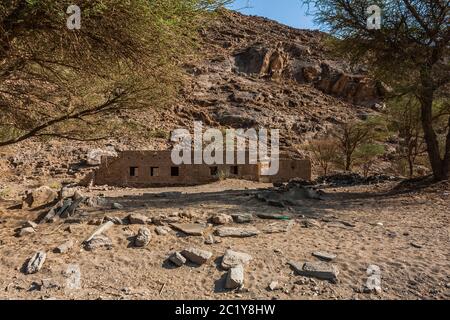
(137, 218)
(319, 270)
(196, 255)
(192, 229)
(235, 277)
(325, 256)
(279, 227)
(234, 258)
(237, 232)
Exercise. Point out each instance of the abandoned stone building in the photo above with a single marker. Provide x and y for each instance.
(155, 169)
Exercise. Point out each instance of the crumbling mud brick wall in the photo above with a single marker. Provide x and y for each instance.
(142, 169)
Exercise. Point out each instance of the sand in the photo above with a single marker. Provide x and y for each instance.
(406, 235)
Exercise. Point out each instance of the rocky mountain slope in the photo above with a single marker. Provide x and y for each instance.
(252, 72)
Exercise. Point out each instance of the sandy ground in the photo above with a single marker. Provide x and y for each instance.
(385, 227)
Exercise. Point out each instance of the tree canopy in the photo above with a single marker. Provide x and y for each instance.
(70, 83)
(410, 52)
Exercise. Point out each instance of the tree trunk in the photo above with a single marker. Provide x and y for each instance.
(439, 166)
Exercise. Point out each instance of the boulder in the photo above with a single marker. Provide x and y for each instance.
(39, 197)
(143, 237)
(35, 263)
(233, 258)
(94, 156)
(235, 277)
(196, 255)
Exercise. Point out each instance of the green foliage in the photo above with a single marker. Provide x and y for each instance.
(410, 53)
(74, 83)
(366, 154)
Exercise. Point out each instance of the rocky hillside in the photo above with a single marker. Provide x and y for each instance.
(259, 73)
(252, 72)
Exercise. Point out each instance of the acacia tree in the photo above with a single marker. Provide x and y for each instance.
(74, 83)
(324, 152)
(404, 119)
(410, 52)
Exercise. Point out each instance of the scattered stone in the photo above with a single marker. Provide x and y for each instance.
(66, 246)
(25, 231)
(311, 223)
(143, 237)
(373, 283)
(192, 229)
(71, 208)
(48, 284)
(95, 202)
(273, 286)
(196, 255)
(317, 270)
(177, 259)
(30, 224)
(162, 231)
(73, 221)
(95, 222)
(242, 217)
(373, 269)
(416, 245)
(70, 229)
(173, 194)
(98, 241)
(39, 197)
(137, 218)
(209, 239)
(67, 192)
(115, 220)
(236, 232)
(117, 206)
(233, 258)
(222, 219)
(324, 255)
(235, 277)
(35, 263)
(100, 230)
